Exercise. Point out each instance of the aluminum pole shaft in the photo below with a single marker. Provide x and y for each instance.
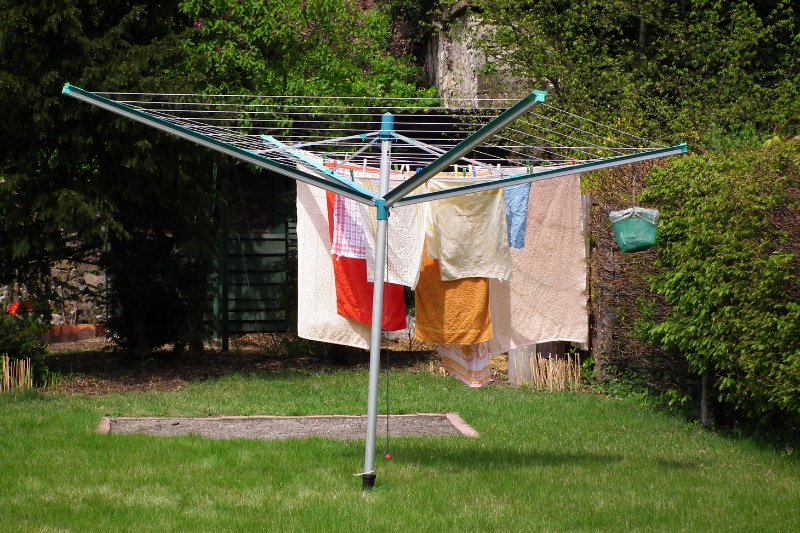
(377, 311)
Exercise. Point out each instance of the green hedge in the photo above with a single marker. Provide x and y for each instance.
(728, 243)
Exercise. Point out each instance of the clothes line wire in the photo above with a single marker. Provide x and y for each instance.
(335, 127)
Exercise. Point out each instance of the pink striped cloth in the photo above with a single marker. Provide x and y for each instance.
(348, 233)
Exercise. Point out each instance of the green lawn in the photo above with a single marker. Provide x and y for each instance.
(543, 462)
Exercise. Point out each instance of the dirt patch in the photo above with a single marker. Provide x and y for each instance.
(289, 427)
(96, 366)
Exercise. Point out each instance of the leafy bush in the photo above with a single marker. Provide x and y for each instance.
(729, 247)
(21, 336)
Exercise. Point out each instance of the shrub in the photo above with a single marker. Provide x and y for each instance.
(21, 336)
(729, 250)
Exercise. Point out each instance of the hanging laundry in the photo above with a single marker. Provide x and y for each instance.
(348, 233)
(451, 312)
(516, 198)
(354, 292)
(317, 317)
(469, 234)
(405, 238)
(546, 299)
(470, 363)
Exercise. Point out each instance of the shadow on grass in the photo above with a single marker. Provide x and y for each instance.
(503, 458)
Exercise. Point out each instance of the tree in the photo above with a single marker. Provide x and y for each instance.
(669, 70)
(728, 253)
(286, 47)
(79, 183)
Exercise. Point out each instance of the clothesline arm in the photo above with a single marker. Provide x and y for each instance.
(304, 158)
(440, 151)
(214, 144)
(465, 146)
(545, 174)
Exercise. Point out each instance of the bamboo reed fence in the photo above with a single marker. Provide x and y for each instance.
(555, 373)
(16, 374)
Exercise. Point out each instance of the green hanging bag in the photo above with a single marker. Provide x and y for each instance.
(634, 228)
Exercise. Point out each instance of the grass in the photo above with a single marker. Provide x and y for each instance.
(543, 462)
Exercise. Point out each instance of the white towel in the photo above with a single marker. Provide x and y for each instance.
(405, 238)
(546, 300)
(317, 318)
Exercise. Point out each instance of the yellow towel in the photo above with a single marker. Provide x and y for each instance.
(451, 312)
(469, 234)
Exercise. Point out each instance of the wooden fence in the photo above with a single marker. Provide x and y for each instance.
(16, 374)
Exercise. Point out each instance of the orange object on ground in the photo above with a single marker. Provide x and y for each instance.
(354, 292)
(451, 312)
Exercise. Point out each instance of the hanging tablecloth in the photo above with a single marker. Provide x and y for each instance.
(546, 299)
(354, 293)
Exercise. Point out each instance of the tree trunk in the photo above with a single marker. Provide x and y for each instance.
(139, 342)
(642, 40)
(706, 414)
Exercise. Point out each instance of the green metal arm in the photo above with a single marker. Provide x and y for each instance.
(545, 174)
(465, 146)
(219, 146)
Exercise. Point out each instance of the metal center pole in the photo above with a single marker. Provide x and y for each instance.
(368, 475)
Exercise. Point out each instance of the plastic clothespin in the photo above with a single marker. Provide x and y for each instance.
(474, 171)
(352, 178)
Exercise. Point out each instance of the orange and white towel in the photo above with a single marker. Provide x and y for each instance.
(469, 363)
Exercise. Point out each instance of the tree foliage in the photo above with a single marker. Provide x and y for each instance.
(722, 76)
(728, 241)
(80, 183)
(288, 47)
(665, 69)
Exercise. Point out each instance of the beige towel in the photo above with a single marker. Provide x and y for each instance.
(469, 233)
(546, 299)
(317, 318)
